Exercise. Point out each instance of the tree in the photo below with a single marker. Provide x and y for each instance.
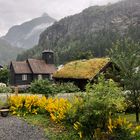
(4, 75)
(126, 55)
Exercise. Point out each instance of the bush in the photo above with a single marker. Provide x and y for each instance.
(5, 89)
(102, 100)
(66, 88)
(48, 88)
(42, 87)
(4, 75)
(23, 105)
(57, 108)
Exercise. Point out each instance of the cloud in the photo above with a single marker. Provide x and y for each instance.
(14, 12)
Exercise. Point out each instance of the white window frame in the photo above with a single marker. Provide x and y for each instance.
(24, 77)
(51, 77)
(39, 77)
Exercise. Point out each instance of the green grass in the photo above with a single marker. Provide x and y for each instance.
(52, 130)
(130, 117)
(55, 131)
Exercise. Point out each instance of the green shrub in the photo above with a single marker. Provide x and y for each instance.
(102, 100)
(4, 75)
(66, 88)
(42, 87)
(48, 88)
(5, 89)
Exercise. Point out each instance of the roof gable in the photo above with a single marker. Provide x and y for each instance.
(40, 66)
(21, 67)
(82, 69)
(32, 66)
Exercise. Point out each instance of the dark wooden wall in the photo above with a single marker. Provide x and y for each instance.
(19, 81)
(16, 79)
(44, 76)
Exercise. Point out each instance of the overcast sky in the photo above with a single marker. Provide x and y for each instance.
(13, 12)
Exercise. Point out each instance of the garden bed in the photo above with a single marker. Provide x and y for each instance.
(53, 131)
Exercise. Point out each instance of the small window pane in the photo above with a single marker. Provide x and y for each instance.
(39, 77)
(51, 77)
(24, 77)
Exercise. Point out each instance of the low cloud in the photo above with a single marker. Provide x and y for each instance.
(13, 12)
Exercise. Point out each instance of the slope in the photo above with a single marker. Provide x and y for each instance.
(27, 34)
(8, 52)
(89, 33)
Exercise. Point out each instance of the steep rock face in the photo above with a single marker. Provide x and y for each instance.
(7, 52)
(90, 32)
(27, 34)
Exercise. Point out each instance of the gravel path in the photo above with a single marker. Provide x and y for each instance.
(13, 128)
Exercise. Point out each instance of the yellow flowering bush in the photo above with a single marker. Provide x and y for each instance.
(78, 127)
(22, 105)
(119, 122)
(135, 132)
(57, 108)
(117, 128)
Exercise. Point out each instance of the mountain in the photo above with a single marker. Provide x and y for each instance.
(7, 52)
(89, 33)
(27, 34)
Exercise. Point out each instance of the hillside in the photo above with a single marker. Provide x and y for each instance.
(90, 32)
(27, 34)
(7, 52)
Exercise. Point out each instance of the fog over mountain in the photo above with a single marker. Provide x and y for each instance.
(15, 12)
(89, 33)
(27, 34)
(8, 52)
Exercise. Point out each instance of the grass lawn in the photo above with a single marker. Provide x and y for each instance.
(130, 117)
(52, 130)
(55, 131)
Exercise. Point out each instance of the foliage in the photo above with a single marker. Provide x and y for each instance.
(103, 100)
(23, 105)
(48, 88)
(122, 129)
(57, 108)
(53, 131)
(125, 54)
(65, 87)
(42, 87)
(119, 129)
(4, 75)
(5, 89)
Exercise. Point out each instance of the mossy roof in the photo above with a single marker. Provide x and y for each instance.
(82, 69)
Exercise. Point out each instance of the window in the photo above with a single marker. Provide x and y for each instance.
(24, 77)
(50, 56)
(51, 77)
(39, 77)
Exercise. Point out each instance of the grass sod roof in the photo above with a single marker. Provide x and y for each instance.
(82, 69)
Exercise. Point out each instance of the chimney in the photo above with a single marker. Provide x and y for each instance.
(48, 56)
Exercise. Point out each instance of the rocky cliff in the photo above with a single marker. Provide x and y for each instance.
(27, 34)
(89, 33)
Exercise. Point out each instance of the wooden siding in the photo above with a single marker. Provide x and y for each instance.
(44, 76)
(12, 76)
(19, 81)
